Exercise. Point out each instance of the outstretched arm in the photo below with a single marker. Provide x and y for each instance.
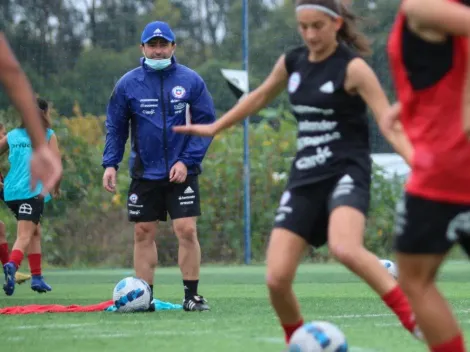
(20, 92)
(252, 103)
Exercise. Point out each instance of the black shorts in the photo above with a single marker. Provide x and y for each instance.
(424, 226)
(150, 200)
(306, 210)
(27, 209)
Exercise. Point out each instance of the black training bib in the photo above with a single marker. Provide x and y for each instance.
(333, 130)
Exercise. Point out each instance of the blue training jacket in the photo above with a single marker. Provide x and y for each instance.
(152, 102)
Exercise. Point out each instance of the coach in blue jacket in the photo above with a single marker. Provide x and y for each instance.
(164, 165)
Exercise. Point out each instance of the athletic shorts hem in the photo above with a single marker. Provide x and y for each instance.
(424, 226)
(27, 209)
(150, 200)
(422, 251)
(306, 210)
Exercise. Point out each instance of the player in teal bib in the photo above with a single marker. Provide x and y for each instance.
(27, 204)
(18, 180)
(4, 250)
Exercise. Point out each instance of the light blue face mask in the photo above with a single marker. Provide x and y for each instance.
(158, 64)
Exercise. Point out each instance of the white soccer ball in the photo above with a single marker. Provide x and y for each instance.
(391, 267)
(132, 295)
(318, 336)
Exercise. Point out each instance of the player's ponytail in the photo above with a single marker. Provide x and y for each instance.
(349, 33)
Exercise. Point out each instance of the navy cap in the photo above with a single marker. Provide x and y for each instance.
(157, 29)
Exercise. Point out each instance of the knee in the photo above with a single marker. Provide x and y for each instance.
(37, 233)
(346, 254)
(278, 281)
(414, 287)
(26, 232)
(186, 232)
(144, 233)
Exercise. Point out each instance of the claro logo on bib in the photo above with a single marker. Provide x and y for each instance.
(309, 162)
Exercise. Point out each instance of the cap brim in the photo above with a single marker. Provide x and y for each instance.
(157, 36)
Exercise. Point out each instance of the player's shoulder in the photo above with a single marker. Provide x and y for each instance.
(130, 76)
(347, 53)
(294, 57)
(188, 72)
(296, 50)
(14, 132)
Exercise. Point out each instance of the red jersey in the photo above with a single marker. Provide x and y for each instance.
(429, 79)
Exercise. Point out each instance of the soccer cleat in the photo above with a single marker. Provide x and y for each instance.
(196, 303)
(39, 285)
(21, 278)
(152, 306)
(9, 286)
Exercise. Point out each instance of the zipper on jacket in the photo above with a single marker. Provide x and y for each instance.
(165, 138)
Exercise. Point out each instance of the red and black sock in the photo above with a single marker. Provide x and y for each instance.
(396, 300)
(454, 345)
(289, 329)
(35, 264)
(16, 257)
(4, 253)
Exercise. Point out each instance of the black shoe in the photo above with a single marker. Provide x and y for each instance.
(152, 306)
(195, 304)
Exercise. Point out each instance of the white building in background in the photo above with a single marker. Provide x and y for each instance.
(392, 164)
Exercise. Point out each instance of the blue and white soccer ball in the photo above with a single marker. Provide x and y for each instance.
(132, 295)
(318, 336)
(391, 267)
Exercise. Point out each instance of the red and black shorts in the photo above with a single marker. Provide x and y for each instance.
(424, 226)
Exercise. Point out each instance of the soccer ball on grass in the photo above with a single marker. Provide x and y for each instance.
(318, 336)
(132, 295)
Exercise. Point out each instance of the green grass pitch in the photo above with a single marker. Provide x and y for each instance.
(241, 319)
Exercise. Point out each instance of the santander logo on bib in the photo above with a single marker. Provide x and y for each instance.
(294, 82)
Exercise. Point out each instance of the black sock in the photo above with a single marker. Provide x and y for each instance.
(151, 291)
(190, 288)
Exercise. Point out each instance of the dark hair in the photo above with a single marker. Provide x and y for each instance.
(349, 33)
(43, 106)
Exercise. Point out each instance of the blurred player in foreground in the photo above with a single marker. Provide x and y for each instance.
(429, 57)
(46, 165)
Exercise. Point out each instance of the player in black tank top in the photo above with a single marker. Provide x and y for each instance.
(333, 127)
(327, 196)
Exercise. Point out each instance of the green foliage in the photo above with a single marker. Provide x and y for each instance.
(88, 225)
(75, 61)
(385, 193)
